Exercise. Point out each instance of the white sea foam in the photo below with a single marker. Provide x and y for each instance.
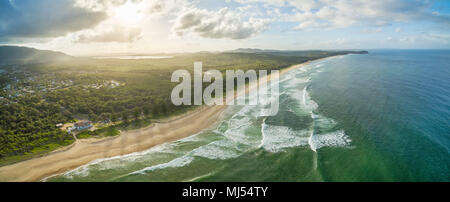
(308, 103)
(323, 123)
(120, 161)
(237, 134)
(221, 149)
(113, 162)
(295, 82)
(311, 143)
(276, 138)
(246, 111)
(193, 138)
(333, 139)
(175, 163)
(304, 96)
(82, 171)
(239, 123)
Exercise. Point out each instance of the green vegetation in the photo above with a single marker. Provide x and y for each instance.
(28, 126)
(104, 132)
(35, 98)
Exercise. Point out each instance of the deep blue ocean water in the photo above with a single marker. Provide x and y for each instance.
(384, 116)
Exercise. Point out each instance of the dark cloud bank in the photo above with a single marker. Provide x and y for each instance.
(43, 18)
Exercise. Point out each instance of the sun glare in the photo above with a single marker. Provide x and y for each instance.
(128, 14)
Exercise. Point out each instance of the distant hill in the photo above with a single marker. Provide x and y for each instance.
(293, 52)
(251, 50)
(304, 53)
(21, 55)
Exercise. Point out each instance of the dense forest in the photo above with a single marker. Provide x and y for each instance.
(36, 97)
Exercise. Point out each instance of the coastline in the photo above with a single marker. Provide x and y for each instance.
(85, 151)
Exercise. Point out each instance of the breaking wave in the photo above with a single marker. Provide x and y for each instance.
(332, 139)
(178, 162)
(276, 138)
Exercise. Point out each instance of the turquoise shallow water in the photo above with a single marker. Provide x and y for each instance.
(384, 116)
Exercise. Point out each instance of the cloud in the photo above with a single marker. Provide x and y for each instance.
(164, 7)
(125, 18)
(265, 2)
(372, 30)
(439, 38)
(115, 34)
(408, 39)
(220, 24)
(87, 20)
(311, 14)
(44, 18)
(148, 7)
(99, 5)
(344, 13)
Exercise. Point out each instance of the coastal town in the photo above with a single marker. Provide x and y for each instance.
(16, 81)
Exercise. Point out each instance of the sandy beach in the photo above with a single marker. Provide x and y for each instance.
(84, 151)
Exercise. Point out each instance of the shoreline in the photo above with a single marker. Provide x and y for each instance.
(85, 151)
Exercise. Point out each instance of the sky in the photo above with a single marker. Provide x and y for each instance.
(103, 27)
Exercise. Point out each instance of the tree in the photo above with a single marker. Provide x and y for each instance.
(164, 108)
(93, 116)
(137, 114)
(146, 111)
(105, 117)
(125, 117)
(114, 117)
(155, 111)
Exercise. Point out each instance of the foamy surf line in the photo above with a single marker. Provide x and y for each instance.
(220, 150)
(277, 138)
(332, 139)
(287, 137)
(178, 162)
(84, 169)
(216, 150)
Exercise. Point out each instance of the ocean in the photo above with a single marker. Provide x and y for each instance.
(384, 116)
